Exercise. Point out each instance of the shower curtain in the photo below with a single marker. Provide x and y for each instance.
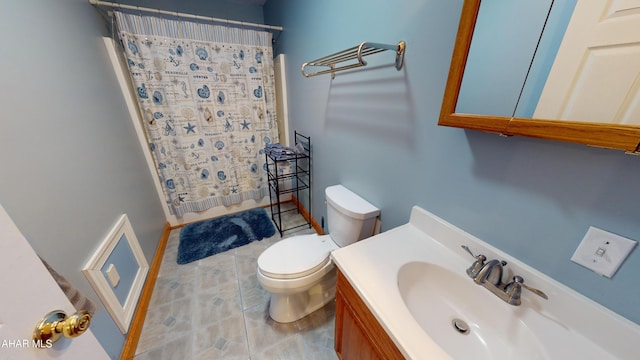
(207, 98)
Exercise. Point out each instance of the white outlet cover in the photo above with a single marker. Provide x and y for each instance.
(602, 252)
(113, 275)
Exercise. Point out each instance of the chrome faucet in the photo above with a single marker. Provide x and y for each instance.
(489, 275)
(514, 290)
(490, 272)
(481, 272)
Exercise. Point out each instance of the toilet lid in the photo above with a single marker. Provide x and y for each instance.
(296, 256)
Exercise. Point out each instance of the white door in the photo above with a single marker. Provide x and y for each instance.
(28, 293)
(596, 73)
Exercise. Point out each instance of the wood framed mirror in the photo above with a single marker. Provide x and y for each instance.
(622, 136)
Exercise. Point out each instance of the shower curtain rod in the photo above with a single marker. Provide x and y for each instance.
(182, 15)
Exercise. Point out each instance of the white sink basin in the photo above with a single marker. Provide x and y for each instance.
(466, 320)
(413, 280)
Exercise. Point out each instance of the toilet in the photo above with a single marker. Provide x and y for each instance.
(298, 272)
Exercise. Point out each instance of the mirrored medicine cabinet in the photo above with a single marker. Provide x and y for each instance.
(561, 70)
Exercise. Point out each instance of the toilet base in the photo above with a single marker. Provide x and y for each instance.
(286, 308)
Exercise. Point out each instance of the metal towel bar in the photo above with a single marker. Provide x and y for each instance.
(354, 53)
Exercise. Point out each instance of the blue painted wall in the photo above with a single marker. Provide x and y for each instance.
(375, 131)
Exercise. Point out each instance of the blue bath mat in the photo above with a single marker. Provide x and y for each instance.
(205, 238)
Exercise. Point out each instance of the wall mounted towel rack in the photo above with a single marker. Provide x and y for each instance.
(354, 53)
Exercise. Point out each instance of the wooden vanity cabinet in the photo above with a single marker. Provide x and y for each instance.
(358, 335)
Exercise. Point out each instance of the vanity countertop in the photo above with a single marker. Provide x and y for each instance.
(372, 266)
(376, 281)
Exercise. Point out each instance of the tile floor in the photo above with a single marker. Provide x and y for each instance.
(214, 308)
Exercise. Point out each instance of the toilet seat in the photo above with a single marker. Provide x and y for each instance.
(296, 256)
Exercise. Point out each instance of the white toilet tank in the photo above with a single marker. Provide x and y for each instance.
(349, 217)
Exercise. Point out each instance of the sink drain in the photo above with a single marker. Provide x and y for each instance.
(460, 326)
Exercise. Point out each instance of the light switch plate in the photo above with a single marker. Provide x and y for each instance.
(113, 275)
(602, 252)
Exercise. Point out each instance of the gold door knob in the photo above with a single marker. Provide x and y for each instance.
(56, 324)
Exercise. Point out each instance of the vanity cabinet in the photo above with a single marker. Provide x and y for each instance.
(358, 335)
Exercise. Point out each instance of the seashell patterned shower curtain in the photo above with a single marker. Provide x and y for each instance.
(207, 98)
